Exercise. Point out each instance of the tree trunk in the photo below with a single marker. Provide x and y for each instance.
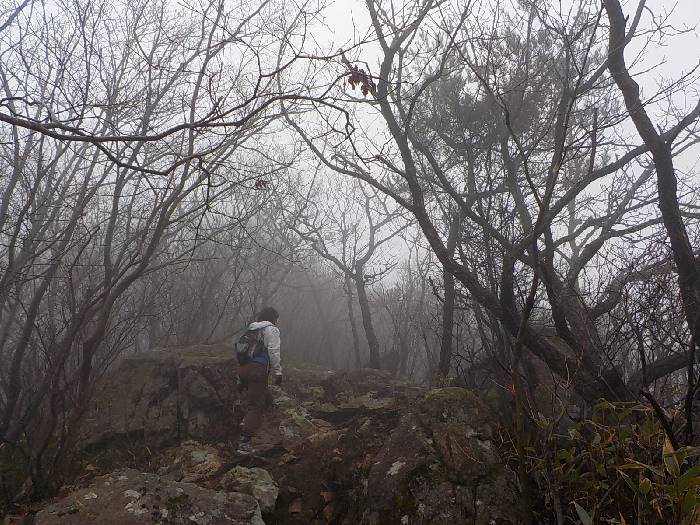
(666, 182)
(404, 351)
(353, 322)
(448, 306)
(448, 321)
(372, 342)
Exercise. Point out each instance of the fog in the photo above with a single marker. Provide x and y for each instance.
(465, 193)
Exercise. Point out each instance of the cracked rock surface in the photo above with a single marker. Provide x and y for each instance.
(338, 448)
(130, 497)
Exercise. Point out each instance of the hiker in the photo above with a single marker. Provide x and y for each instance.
(262, 359)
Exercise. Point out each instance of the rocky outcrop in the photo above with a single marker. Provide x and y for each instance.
(166, 396)
(287, 424)
(191, 462)
(337, 397)
(439, 466)
(170, 396)
(336, 447)
(129, 497)
(430, 461)
(254, 481)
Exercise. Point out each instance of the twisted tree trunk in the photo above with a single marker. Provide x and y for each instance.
(366, 312)
(666, 182)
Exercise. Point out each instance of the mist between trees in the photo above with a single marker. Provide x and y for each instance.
(467, 194)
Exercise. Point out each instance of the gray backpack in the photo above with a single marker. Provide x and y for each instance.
(249, 346)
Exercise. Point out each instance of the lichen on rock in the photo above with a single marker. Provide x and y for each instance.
(130, 497)
(256, 482)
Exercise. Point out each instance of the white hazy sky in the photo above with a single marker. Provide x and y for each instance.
(680, 53)
(676, 54)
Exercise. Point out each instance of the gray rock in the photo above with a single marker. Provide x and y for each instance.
(362, 448)
(286, 425)
(192, 462)
(440, 467)
(165, 396)
(130, 497)
(254, 481)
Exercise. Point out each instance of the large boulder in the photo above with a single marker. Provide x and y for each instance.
(304, 384)
(344, 395)
(166, 396)
(321, 480)
(286, 424)
(429, 462)
(191, 462)
(130, 497)
(439, 466)
(351, 387)
(256, 482)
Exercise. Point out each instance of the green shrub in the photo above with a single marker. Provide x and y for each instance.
(617, 467)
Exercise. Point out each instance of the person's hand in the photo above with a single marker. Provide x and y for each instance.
(278, 379)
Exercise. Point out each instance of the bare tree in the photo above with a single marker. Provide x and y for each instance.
(124, 128)
(660, 145)
(349, 234)
(406, 303)
(513, 125)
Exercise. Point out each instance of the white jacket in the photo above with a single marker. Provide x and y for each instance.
(271, 339)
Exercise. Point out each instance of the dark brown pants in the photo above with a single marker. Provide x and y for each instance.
(253, 378)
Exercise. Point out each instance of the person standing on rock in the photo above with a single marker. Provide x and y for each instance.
(262, 345)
